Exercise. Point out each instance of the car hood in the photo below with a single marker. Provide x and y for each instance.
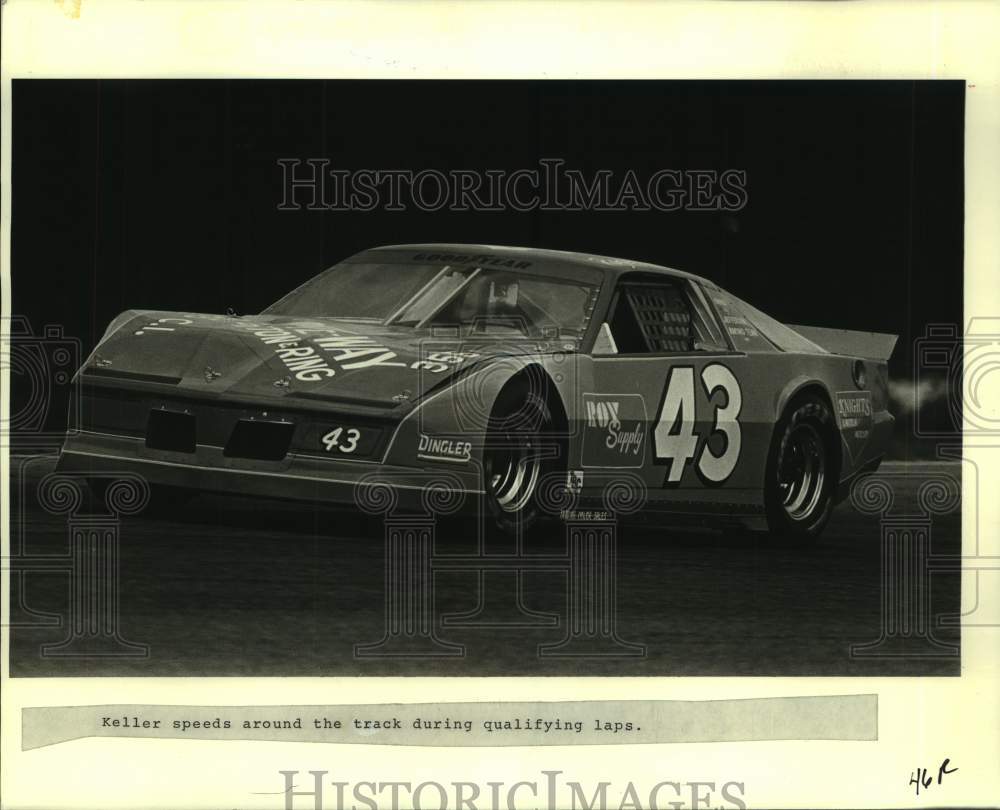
(276, 357)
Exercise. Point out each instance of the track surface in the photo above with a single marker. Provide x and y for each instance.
(231, 586)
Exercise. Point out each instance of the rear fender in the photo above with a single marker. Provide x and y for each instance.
(793, 388)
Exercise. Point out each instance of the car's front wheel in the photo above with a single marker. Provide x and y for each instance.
(802, 470)
(519, 452)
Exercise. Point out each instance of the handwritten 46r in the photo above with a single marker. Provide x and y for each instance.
(922, 779)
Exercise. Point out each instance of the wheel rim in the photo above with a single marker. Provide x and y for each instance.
(514, 471)
(802, 472)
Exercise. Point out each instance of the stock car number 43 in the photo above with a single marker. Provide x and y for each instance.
(494, 373)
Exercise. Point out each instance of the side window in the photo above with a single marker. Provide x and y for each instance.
(655, 318)
(706, 327)
(745, 336)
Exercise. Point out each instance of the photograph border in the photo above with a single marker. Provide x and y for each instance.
(921, 721)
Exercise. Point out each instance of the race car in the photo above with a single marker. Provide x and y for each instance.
(528, 382)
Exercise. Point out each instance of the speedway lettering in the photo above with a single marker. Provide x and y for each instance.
(313, 351)
(604, 414)
(585, 515)
(854, 413)
(482, 260)
(305, 362)
(332, 349)
(854, 406)
(738, 326)
(614, 435)
(449, 449)
(346, 351)
(353, 349)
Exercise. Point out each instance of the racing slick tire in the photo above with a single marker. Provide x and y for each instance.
(802, 469)
(520, 451)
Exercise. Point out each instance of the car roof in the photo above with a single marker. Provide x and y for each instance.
(608, 264)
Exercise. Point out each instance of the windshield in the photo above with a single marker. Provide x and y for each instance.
(474, 299)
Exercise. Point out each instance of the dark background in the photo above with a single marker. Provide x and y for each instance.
(164, 194)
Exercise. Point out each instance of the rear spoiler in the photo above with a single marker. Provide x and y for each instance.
(870, 345)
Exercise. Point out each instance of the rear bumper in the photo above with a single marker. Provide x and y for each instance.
(296, 477)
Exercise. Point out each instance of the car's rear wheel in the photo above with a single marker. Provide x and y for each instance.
(802, 470)
(519, 452)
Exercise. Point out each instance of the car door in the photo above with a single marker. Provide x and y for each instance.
(674, 400)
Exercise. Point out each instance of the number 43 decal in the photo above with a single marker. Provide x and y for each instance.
(674, 436)
(333, 439)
